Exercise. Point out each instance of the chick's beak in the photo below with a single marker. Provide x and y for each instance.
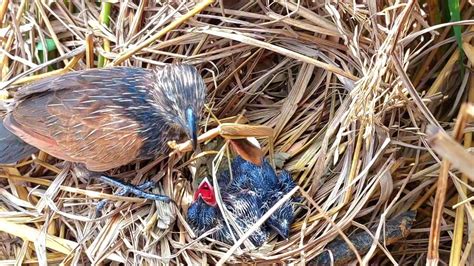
(205, 191)
(283, 232)
(192, 125)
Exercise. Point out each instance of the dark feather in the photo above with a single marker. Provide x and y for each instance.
(244, 208)
(107, 117)
(251, 192)
(12, 148)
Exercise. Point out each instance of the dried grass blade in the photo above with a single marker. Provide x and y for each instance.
(232, 35)
(456, 247)
(127, 54)
(52, 32)
(309, 15)
(452, 151)
(455, 154)
(90, 50)
(239, 131)
(18, 80)
(31, 234)
(53, 189)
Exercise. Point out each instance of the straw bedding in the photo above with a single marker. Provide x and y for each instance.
(349, 90)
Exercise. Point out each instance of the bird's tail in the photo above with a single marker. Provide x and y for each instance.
(12, 148)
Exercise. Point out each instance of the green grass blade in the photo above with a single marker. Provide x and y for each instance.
(105, 20)
(455, 14)
(49, 50)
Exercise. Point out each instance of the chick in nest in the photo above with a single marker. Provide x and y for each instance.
(250, 192)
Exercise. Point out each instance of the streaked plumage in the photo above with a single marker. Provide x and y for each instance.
(252, 192)
(105, 118)
(282, 218)
(269, 189)
(245, 209)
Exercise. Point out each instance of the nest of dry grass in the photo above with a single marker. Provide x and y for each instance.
(348, 89)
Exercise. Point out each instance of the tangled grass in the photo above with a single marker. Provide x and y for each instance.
(349, 90)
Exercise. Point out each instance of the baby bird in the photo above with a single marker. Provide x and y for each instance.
(204, 214)
(282, 218)
(251, 192)
(269, 189)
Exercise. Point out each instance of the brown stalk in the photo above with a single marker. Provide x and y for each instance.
(442, 184)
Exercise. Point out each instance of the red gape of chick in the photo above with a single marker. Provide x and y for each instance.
(247, 196)
(206, 192)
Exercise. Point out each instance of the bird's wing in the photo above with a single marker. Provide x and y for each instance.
(12, 148)
(83, 116)
(244, 204)
(246, 209)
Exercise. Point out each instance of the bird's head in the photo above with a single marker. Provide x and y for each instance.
(180, 93)
(205, 191)
(281, 220)
(202, 216)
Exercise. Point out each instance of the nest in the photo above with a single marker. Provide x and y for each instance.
(349, 91)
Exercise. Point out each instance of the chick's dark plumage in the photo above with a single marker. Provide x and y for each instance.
(105, 118)
(202, 217)
(251, 192)
(269, 189)
(245, 209)
(282, 218)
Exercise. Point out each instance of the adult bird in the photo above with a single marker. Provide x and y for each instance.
(105, 118)
(12, 148)
(251, 192)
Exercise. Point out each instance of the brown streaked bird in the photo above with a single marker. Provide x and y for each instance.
(106, 118)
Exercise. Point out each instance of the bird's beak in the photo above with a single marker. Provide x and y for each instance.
(281, 229)
(191, 119)
(205, 191)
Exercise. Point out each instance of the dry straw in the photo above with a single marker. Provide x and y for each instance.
(340, 94)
